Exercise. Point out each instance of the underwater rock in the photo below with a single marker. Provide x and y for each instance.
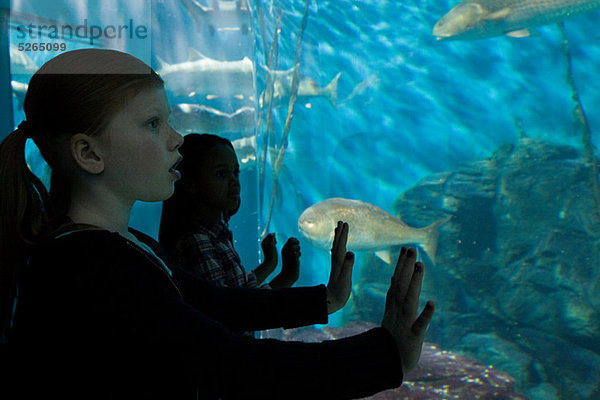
(440, 374)
(516, 277)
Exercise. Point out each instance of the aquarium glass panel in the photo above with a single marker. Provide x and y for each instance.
(467, 130)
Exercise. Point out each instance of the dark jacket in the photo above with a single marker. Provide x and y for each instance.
(97, 317)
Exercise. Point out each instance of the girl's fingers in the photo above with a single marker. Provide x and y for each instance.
(339, 240)
(421, 324)
(336, 237)
(346, 273)
(343, 239)
(269, 239)
(411, 301)
(401, 258)
(405, 268)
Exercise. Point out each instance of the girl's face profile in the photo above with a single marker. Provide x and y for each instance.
(141, 149)
(219, 185)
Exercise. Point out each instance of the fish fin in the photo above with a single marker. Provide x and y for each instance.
(431, 240)
(331, 90)
(384, 255)
(162, 64)
(195, 55)
(498, 14)
(430, 245)
(519, 34)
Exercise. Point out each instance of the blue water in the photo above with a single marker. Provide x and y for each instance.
(408, 106)
(424, 106)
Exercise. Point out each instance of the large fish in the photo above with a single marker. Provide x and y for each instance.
(201, 75)
(479, 19)
(308, 88)
(187, 118)
(371, 228)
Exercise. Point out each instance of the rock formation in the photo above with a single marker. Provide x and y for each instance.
(517, 275)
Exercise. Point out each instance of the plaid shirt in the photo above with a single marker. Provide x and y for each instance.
(208, 253)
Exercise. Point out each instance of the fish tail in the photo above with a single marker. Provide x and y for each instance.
(161, 64)
(331, 90)
(430, 243)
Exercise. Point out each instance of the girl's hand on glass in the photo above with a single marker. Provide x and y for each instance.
(269, 248)
(400, 317)
(290, 261)
(340, 279)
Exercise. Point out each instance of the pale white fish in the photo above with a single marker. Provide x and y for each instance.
(186, 118)
(201, 75)
(371, 228)
(308, 88)
(479, 19)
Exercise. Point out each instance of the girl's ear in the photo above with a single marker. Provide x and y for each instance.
(86, 153)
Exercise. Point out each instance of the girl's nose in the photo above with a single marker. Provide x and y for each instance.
(176, 139)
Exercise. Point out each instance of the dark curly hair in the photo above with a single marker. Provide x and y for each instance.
(175, 220)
